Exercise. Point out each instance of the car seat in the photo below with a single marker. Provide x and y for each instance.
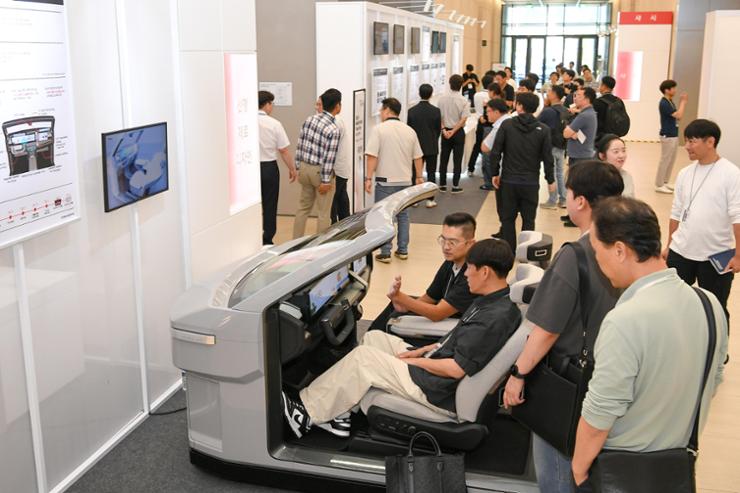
(397, 417)
(534, 247)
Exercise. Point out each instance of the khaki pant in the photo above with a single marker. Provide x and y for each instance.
(373, 364)
(668, 149)
(309, 176)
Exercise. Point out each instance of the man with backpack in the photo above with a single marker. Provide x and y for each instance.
(556, 117)
(611, 115)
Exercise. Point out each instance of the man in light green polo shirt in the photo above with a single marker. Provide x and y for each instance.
(651, 349)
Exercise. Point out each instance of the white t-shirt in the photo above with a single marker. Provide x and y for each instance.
(629, 184)
(396, 145)
(343, 164)
(488, 141)
(480, 99)
(272, 137)
(705, 223)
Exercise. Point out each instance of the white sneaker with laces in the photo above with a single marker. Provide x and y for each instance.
(663, 189)
(431, 203)
(669, 186)
(296, 415)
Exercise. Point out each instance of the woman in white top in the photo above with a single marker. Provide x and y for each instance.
(613, 150)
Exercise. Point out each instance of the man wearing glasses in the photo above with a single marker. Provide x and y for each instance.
(448, 294)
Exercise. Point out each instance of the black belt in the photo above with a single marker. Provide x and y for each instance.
(269, 162)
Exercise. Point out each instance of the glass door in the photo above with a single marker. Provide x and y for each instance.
(581, 50)
(519, 57)
(528, 55)
(536, 63)
(587, 55)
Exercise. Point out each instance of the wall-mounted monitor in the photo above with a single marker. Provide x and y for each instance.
(435, 41)
(399, 38)
(134, 164)
(442, 42)
(415, 40)
(380, 38)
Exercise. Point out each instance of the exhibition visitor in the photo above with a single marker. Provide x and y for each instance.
(651, 351)
(483, 126)
(556, 116)
(669, 117)
(602, 104)
(273, 141)
(554, 79)
(508, 90)
(316, 154)
(342, 172)
(470, 83)
(612, 149)
(455, 110)
(510, 77)
(555, 311)
(426, 120)
(588, 78)
(497, 112)
(580, 133)
(392, 149)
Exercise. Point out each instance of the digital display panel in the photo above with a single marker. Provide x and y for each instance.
(380, 38)
(399, 38)
(326, 289)
(415, 40)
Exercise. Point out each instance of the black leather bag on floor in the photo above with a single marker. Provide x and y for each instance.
(555, 388)
(438, 473)
(663, 471)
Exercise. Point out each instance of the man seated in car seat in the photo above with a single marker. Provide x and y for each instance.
(428, 375)
(448, 294)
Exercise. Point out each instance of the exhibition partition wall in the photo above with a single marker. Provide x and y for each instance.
(719, 74)
(388, 53)
(84, 308)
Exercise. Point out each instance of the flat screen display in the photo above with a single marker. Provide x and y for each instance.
(134, 164)
(326, 289)
(415, 40)
(359, 265)
(380, 38)
(435, 41)
(399, 38)
(442, 42)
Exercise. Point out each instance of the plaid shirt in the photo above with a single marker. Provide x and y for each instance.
(318, 143)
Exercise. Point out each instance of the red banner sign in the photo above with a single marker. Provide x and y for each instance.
(647, 18)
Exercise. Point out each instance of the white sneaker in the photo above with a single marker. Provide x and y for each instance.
(663, 189)
(336, 427)
(669, 186)
(471, 173)
(431, 203)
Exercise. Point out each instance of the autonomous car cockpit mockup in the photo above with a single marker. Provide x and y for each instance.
(284, 316)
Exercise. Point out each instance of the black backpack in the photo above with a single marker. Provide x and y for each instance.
(617, 121)
(556, 134)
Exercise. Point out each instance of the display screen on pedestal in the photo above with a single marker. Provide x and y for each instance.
(380, 38)
(134, 164)
(415, 40)
(435, 41)
(398, 39)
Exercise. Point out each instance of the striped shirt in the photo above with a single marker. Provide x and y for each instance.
(318, 143)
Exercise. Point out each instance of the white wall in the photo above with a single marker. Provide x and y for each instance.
(98, 291)
(720, 70)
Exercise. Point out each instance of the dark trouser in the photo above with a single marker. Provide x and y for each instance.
(476, 148)
(572, 161)
(340, 204)
(704, 274)
(430, 162)
(517, 199)
(270, 182)
(456, 146)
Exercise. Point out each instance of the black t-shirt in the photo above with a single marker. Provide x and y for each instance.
(451, 288)
(509, 92)
(481, 333)
(468, 89)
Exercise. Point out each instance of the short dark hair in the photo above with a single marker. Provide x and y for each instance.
(609, 81)
(558, 90)
(456, 82)
(533, 77)
(499, 105)
(594, 180)
(527, 84)
(501, 73)
(702, 129)
(509, 69)
(495, 89)
(667, 84)
(555, 74)
(330, 99)
(528, 100)
(461, 220)
(579, 81)
(492, 253)
(571, 73)
(603, 143)
(265, 97)
(469, 67)
(492, 73)
(630, 221)
(584, 68)
(392, 104)
(589, 93)
(486, 80)
(426, 91)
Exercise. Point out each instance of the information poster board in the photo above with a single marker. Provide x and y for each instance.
(242, 144)
(426, 43)
(358, 149)
(413, 91)
(442, 77)
(426, 77)
(39, 179)
(398, 89)
(283, 92)
(380, 89)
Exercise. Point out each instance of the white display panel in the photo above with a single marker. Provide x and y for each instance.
(413, 92)
(38, 162)
(358, 151)
(380, 89)
(283, 92)
(398, 87)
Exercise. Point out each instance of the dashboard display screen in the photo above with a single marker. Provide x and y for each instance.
(326, 289)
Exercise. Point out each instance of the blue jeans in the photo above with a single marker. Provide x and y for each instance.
(558, 157)
(553, 470)
(402, 220)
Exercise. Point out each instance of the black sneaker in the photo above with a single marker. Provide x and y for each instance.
(457, 190)
(383, 257)
(336, 427)
(296, 415)
(565, 218)
(569, 224)
(498, 235)
(443, 188)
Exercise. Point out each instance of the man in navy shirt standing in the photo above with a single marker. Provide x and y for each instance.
(669, 116)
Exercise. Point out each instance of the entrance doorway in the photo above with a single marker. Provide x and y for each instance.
(540, 54)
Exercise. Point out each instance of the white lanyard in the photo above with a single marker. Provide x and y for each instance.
(692, 194)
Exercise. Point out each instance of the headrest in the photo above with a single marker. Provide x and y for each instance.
(526, 275)
(534, 246)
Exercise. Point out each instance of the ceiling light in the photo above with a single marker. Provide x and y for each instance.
(438, 9)
(483, 24)
(452, 14)
(428, 6)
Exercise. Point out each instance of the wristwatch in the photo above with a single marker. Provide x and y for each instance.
(514, 372)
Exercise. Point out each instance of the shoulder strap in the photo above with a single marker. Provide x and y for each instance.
(583, 289)
(712, 327)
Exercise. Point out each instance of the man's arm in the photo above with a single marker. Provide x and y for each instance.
(672, 227)
(288, 160)
(433, 311)
(569, 133)
(372, 163)
(419, 172)
(418, 352)
(548, 163)
(445, 367)
(537, 346)
(589, 442)
(678, 114)
(498, 149)
(734, 264)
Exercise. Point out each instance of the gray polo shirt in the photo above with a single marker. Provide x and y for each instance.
(586, 122)
(650, 357)
(454, 107)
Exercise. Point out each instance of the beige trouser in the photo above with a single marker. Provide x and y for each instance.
(372, 364)
(668, 149)
(309, 176)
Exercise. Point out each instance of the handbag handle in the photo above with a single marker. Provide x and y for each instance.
(693, 446)
(428, 436)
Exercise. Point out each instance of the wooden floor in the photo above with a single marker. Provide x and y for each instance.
(719, 459)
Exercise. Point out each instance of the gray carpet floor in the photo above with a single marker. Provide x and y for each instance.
(470, 201)
(154, 458)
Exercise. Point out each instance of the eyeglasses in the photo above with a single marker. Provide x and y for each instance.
(451, 242)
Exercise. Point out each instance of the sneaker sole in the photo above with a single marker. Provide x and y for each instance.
(327, 427)
(293, 425)
(402, 256)
(457, 191)
(383, 260)
(549, 207)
